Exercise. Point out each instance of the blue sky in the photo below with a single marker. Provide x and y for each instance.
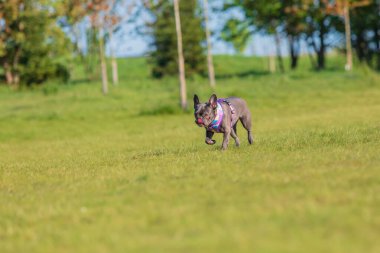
(129, 43)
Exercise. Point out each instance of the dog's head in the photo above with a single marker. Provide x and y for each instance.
(205, 113)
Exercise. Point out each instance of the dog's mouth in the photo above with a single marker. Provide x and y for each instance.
(199, 122)
(202, 125)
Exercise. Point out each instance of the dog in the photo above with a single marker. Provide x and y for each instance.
(222, 116)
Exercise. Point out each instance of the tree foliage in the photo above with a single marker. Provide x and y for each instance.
(32, 46)
(365, 23)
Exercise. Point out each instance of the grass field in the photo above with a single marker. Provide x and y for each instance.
(80, 172)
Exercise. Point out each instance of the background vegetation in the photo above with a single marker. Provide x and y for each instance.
(41, 39)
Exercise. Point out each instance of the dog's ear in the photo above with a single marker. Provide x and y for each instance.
(196, 101)
(213, 101)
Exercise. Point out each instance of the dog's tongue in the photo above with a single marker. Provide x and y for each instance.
(200, 121)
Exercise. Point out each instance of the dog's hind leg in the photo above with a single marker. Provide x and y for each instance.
(234, 127)
(247, 124)
(234, 135)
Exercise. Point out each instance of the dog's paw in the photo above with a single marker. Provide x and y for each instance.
(210, 142)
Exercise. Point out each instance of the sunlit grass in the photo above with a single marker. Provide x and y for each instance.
(129, 172)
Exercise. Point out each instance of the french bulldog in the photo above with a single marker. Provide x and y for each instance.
(221, 116)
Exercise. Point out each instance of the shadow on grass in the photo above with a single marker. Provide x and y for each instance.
(163, 110)
(179, 151)
(80, 81)
(242, 74)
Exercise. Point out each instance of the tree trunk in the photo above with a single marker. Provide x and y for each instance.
(360, 46)
(15, 70)
(322, 46)
(211, 73)
(103, 66)
(377, 43)
(16, 79)
(309, 53)
(347, 29)
(321, 59)
(8, 73)
(377, 36)
(294, 62)
(278, 50)
(115, 75)
(181, 61)
(294, 51)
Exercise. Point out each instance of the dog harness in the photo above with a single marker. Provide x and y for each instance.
(217, 122)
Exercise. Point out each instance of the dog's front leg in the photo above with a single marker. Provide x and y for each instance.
(209, 139)
(226, 138)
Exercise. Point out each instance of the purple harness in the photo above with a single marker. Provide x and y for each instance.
(217, 122)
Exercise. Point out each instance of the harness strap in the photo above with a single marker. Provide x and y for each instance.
(229, 104)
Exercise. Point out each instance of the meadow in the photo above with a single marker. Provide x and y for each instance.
(130, 172)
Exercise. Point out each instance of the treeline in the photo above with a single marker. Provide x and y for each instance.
(321, 25)
(46, 39)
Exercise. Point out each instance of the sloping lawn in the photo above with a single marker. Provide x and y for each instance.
(129, 172)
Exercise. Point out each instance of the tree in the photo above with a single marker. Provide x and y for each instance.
(164, 55)
(31, 44)
(264, 16)
(71, 17)
(112, 19)
(210, 64)
(12, 37)
(181, 62)
(98, 10)
(366, 33)
(319, 23)
(297, 19)
(342, 8)
(294, 17)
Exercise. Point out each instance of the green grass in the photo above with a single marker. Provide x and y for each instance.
(80, 172)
